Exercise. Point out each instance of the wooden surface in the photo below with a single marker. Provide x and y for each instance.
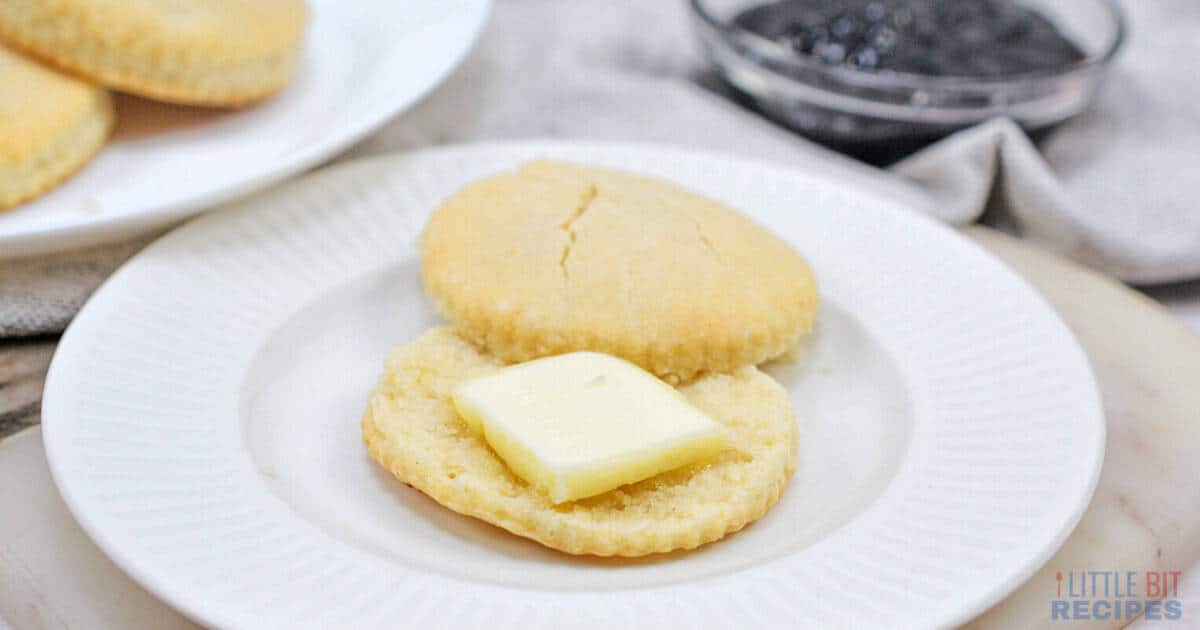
(22, 373)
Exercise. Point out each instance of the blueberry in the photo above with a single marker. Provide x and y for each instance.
(875, 12)
(830, 52)
(843, 27)
(865, 57)
(882, 38)
(935, 37)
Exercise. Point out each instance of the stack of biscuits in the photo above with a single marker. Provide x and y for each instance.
(59, 58)
(556, 258)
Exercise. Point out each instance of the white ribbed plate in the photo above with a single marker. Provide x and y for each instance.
(364, 61)
(201, 419)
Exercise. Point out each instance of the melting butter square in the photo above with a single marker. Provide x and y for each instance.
(581, 424)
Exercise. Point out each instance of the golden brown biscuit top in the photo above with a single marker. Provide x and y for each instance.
(217, 29)
(37, 104)
(559, 257)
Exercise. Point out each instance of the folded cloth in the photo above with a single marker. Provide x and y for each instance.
(40, 295)
(1113, 189)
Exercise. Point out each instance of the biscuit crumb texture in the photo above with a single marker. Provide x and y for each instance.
(412, 429)
(557, 258)
(221, 53)
(50, 126)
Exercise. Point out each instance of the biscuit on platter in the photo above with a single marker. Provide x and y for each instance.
(412, 429)
(192, 52)
(50, 126)
(557, 257)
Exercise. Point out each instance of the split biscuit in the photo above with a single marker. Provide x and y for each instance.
(412, 429)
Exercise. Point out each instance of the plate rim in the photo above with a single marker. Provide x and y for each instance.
(179, 601)
(71, 237)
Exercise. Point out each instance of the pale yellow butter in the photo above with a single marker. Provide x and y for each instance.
(580, 424)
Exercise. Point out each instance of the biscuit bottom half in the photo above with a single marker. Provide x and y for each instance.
(412, 429)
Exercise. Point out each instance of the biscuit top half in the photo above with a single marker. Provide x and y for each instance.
(169, 31)
(37, 105)
(559, 257)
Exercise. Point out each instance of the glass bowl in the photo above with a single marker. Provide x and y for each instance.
(879, 115)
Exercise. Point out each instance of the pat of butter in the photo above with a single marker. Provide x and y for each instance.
(580, 424)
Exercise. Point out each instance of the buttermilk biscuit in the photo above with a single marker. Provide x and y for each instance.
(411, 428)
(50, 126)
(557, 258)
(195, 52)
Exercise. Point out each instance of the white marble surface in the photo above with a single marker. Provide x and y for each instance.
(1145, 516)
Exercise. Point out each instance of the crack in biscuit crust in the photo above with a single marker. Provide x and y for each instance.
(556, 258)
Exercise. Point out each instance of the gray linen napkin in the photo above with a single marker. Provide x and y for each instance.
(40, 295)
(1117, 187)
(1113, 189)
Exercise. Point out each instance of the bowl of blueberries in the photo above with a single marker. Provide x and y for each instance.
(881, 78)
